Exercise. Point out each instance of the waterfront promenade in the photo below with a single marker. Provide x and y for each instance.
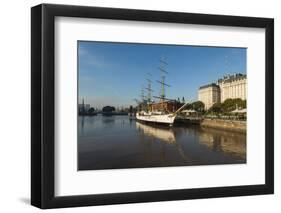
(218, 123)
(232, 125)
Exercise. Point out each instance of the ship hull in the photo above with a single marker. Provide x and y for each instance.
(159, 119)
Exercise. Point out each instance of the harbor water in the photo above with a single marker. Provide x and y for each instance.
(116, 142)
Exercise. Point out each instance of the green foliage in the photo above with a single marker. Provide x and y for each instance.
(197, 106)
(216, 108)
(243, 104)
(228, 106)
(108, 109)
(91, 110)
(231, 104)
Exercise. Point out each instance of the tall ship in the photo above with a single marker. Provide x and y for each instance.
(163, 111)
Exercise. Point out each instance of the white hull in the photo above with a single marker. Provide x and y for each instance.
(162, 119)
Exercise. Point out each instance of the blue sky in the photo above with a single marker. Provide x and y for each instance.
(113, 73)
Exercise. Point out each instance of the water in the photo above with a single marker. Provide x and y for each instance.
(114, 142)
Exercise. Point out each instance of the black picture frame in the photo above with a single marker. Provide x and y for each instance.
(43, 110)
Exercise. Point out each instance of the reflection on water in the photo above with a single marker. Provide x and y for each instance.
(161, 133)
(118, 142)
(222, 141)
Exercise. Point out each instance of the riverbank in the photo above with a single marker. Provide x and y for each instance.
(233, 125)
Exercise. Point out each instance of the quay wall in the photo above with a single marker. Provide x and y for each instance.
(240, 126)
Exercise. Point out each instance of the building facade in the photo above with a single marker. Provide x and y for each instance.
(233, 86)
(168, 106)
(230, 86)
(209, 94)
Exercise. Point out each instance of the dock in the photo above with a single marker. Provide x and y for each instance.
(188, 120)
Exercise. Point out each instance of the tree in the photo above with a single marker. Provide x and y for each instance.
(239, 103)
(108, 109)
(231, 104)
(228, 105)
(244, 104)
(91, 110)
(189, 106)
(198, 106)
(216, 108)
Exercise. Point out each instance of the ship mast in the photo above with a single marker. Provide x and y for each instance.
(142, 94)
(148, 88)
(142, 103)
(162, 68)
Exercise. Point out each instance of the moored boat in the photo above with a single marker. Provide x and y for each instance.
(159, 117)
(156, 118)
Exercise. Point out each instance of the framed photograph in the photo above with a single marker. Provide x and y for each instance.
(139, 106)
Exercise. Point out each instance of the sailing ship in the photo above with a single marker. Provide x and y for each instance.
(163, 112)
